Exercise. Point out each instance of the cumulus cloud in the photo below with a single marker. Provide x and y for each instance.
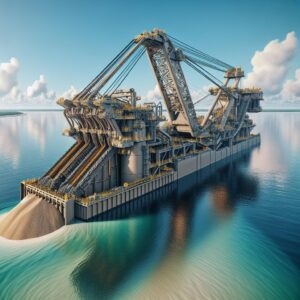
(153, 95)
(39, 88)
(16, 94)
(271, 65)
(51, 95)
(70, 93)
(36, 93)
(8, 75)
(291, 88)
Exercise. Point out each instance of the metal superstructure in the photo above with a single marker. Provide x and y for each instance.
(119, 141)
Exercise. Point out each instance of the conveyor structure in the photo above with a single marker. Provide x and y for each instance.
(119, 142)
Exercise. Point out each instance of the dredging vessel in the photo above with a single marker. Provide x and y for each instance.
(121, 150)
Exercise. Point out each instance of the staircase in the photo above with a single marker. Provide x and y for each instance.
(243, 111)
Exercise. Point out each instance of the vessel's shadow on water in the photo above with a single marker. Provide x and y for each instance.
(161, 223)
(226, 180)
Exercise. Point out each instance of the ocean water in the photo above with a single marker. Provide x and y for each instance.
(231, 232)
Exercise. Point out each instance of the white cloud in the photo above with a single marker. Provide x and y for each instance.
(51, 95)
(38, 87)
(271, 65)
(153, 95)
(70, 93)
(8, 75)
(291, 88)
(37, 93)
(16, 94)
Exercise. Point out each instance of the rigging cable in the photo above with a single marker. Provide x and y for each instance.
(99, 85)
(210, 79)
(204, 63)
(201, 57)
(201, 53)
(201, 99)
(88, 88)
(141, 53)
(208, 73)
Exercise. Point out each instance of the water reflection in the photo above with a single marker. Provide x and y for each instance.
(161, 227)
(233, 185)
(280, 141)
(226, 233)
(27, 128)
(10, 138)
(229, 176)
(27, 149)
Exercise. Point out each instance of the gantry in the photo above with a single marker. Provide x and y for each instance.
(119, 140)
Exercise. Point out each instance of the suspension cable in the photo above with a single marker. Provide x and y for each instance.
(204, 63)
(200, 56)
(210, 79)
(203, 54)
(138, 58)
(208, 73)
(201, 99)
(88, 88)
(121, 77)
(99, 85)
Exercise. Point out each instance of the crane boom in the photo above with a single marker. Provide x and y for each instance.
(123, 150)
(227, 115)
(165, 61)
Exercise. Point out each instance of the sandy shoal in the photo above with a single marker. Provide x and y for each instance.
(32, 217)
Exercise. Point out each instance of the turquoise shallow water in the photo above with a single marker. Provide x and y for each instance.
(230, 233)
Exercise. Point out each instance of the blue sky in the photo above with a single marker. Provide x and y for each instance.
(69, 42)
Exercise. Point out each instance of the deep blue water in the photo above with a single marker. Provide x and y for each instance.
(227, 233)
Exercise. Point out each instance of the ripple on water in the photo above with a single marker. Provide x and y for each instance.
(40, 268)
(243, 226)
(235, 262)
